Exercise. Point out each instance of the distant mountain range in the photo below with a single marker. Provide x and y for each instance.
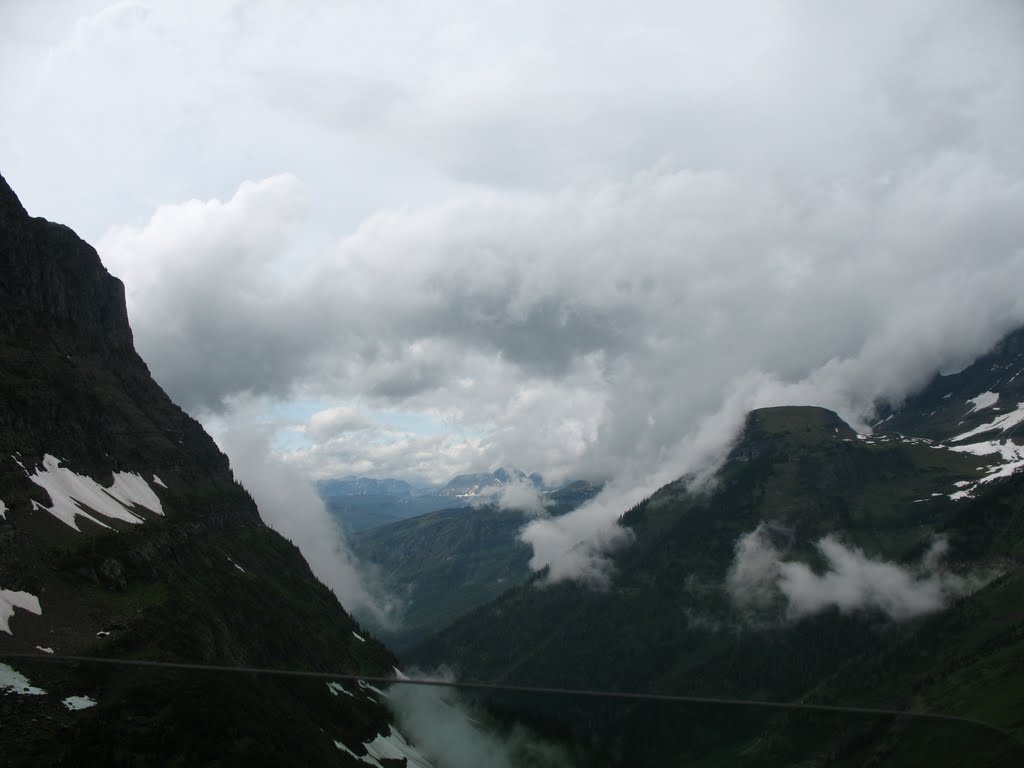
(444, 563)
(364, 486)
(362, 503)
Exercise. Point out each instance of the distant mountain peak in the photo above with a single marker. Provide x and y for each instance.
(474, 484)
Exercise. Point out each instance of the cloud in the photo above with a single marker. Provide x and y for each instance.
(519, 494)
(851, 581)
(289, 504)
(449, 731)
(587, 260)
(332, 422)
(673, 311)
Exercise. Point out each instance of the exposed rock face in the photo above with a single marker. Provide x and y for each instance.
(191, 575)
(49, 274)
(71, 382)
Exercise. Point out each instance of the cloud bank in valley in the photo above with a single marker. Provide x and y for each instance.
(851, 581)
(453, 734)
(478, 247)
(289, 504)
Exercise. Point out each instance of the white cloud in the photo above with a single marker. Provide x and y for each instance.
(332, 422)
(519, 494)
(289, 504)
(852, 581)
(451, 732)
(594, 332)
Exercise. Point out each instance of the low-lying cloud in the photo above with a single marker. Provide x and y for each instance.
(289, 504)
(519, 494)
(448, 731)
(760, 579)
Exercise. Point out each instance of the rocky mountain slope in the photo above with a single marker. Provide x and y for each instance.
(824, 566)
(123, 534)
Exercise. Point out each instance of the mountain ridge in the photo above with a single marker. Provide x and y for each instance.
(727, 592)
(125, 535)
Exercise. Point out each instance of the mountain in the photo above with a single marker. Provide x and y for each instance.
(124, 535)
(359, 504)
(950, 405)
(473, 485)
(447, 562)
(822, 566)
(364, 486)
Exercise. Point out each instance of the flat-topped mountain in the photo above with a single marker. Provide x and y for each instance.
(821, 566)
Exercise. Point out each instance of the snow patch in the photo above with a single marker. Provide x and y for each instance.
(71, 493)
(1001, 423)
(237, 565)
(44, 650)
(395, 747)
(10, 600)
(336, 688)
(359, 637)
(14, 681)
(390, 747)
(131, 489)
(983, 401)
(1012, 459)
(159, 482)
(366, 686)
(362, 758)
(3, 510)
(1008, 456)
(75, 703)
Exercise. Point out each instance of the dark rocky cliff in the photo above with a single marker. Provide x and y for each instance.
(48, 274)
(205, 581)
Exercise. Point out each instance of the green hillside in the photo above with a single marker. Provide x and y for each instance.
(668, 623)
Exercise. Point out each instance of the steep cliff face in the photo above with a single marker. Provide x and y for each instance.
(68, 287)
(123, 534)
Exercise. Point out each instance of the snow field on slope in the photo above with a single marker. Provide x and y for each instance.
(983, 401)
(75, 703)
(10, 600)
(390, 747)
(14, 681)
(69, 492)
(1011, 455)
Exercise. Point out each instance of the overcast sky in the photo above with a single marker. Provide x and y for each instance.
(415, 239)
